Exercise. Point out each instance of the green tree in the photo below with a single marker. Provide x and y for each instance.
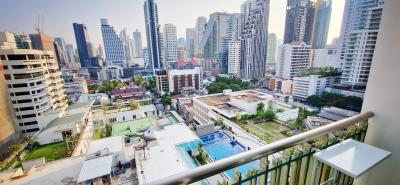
(238, 117)
(166, 99)
(260, 107)
(134, 106)
(139, 80)
(151, 84)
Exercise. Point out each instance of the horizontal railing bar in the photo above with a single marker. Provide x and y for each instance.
(202, 172)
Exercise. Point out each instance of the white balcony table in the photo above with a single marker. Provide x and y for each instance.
(350, 157)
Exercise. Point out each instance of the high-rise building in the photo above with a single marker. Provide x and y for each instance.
(234, 58)
(129, 45)
(190, 42)
(200, 27)
(271, 53)
(34, 84)
(153, 34)
(181, 42)
(137, 38)
(299, 21)
(215, 43)
(254, 39)
(61, 50)
(323, 9)
(70, 54)
(360, 26)
(113, 46)
(170, 43)
(85, 47)
(292, 58)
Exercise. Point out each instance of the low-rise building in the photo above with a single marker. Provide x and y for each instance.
(57, 126)
(74, 86)
(184, 80)
(306, 86)
(207, 109)
(336, 114)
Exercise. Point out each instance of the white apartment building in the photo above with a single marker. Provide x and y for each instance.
(292, 58)
(326, 57)
(306, 86)
(170, 43)
(74, 85)
(34, 82)
(185, 80)
(111, 72)
(234, 58)
(360, 27)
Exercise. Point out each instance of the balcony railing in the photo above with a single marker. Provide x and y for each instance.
(293, 167)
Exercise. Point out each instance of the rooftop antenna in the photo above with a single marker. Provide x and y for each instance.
(39, 28)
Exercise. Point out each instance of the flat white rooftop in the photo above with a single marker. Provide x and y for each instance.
(163, 157)
(113, 144)
(57, 172)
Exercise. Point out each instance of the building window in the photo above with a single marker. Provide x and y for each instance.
(7, 76)
(16, 57)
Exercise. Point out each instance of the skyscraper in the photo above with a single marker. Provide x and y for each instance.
(271, 53)
(85, 47)
(214, 44)
(323, 9)
(69, 54)
(299, 21)
(292, 58)
(254, 39)
(153, 34)
(61, 50)
(360, 26)
(113, 46)
(200, 27)
(137, 38)
(190, 42)
(234, 58)
(129, 45)
(170, 43)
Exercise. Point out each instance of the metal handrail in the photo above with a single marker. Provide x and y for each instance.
(202, 172)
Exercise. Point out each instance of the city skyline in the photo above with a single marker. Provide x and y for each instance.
(59, 24)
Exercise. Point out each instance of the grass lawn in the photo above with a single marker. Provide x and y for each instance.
(50, 152)
(269, 131)
(274, 129)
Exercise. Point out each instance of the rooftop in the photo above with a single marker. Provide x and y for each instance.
(79, 105)
(114, 144)
(164, 151)
(249, 98)
(214, 99)
(133, 127)
(66, 119)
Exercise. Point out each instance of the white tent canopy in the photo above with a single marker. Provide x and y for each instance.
(96, 167)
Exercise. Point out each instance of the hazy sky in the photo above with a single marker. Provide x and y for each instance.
(21, 15)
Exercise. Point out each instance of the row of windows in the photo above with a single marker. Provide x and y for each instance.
(25, 57)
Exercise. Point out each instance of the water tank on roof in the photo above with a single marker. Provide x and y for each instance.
(227, 92)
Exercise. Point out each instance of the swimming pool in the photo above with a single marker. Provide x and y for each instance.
(219, 146)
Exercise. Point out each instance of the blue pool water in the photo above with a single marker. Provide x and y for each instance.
(219, 146)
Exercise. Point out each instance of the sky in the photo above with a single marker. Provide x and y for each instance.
(20, 16)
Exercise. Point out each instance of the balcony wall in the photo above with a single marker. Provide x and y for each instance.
(383, 98)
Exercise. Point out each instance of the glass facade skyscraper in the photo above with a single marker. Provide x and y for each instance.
(323, 9)
(84, 46)
(153, 34)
